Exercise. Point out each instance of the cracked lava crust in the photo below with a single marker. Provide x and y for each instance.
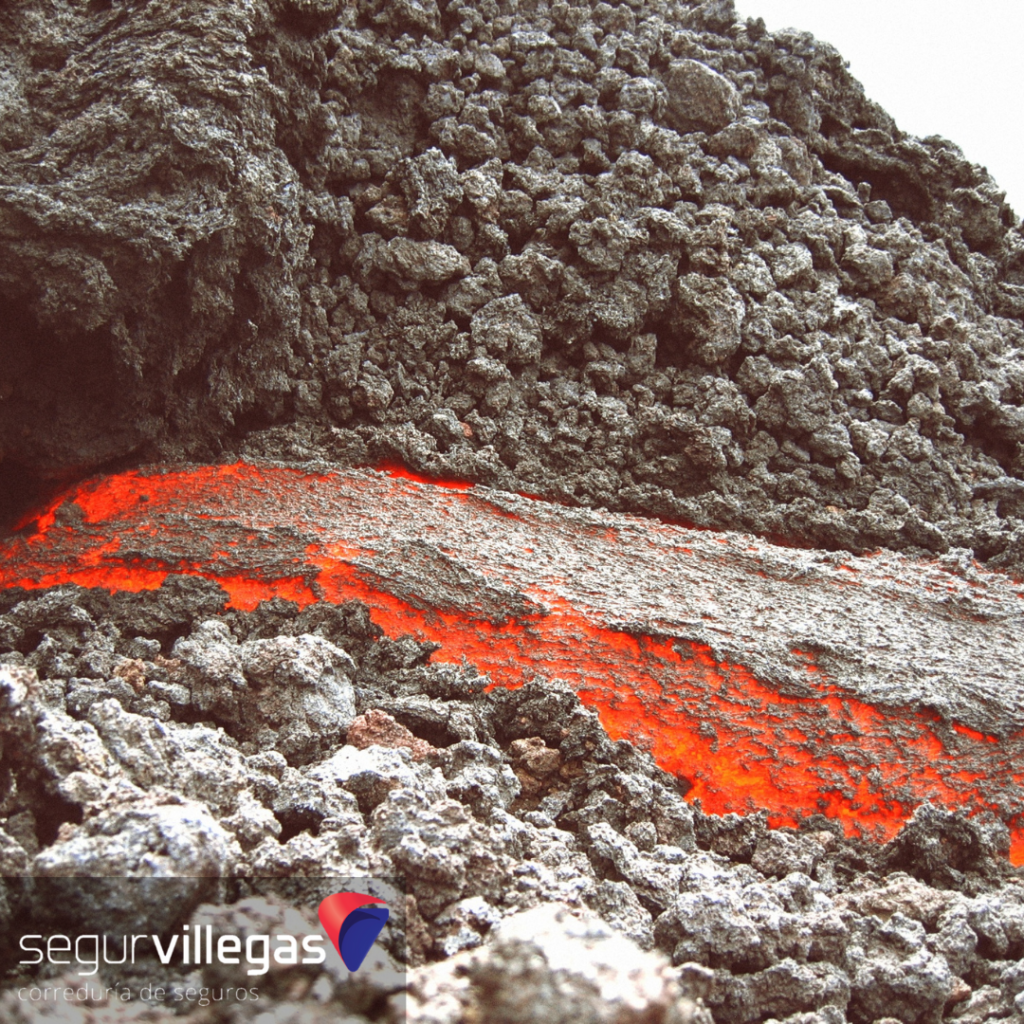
(765, 677)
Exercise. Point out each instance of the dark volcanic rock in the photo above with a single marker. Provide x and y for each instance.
(151, 226)
(645, 257)
(640, 256)
(512, 829)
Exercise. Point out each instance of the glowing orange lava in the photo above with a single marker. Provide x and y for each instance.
(742, 743)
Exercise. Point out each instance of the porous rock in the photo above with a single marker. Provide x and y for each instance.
(550, 964)
(559, 233)
(537, 814)
(699, 98)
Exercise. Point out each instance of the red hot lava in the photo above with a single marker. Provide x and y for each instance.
(767, 677)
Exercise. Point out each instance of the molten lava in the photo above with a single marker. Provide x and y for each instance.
(768, 678)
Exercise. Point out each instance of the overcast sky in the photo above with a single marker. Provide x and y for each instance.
(940, 67)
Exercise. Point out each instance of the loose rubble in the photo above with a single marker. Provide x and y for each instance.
(550, 871)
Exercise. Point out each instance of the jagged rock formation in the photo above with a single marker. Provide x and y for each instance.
(490, 803)
(640, 256)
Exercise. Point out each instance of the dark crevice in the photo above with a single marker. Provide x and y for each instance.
(437, 734)
(26, 492)
(255, 419)
(992, 439)
(22, 491)
(906, 198)
(304, 22)
(50, 814)
(30, 641)
(296, 821)
(169, 638)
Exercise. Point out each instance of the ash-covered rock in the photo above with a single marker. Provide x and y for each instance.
(549, 964)
(510, 814)
(641, 256)
(291, 693)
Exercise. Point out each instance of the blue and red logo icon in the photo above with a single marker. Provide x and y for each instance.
(353, 921)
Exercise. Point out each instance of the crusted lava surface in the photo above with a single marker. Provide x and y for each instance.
(764, 678)
(481, 692)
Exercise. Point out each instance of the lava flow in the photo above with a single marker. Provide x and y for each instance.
(793, 681)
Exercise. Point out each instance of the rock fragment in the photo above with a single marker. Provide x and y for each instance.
(553, 964)
(378, 728)
(659, 261)
(699, 98)
(421, 262)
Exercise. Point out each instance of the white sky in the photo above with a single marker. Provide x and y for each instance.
(953, 68)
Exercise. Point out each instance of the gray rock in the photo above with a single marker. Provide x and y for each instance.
(780, 854)
(14, 859)
(464, 925)
(870, 268)
(506, 328)
(158, 835)
(478, 777)
(793, 265)
(421, 262)
(712, 312)
(551, 964)
(301, 689)
(699, 99)
(786, 989)
(290, 692)
(892, 971)
(372, 773)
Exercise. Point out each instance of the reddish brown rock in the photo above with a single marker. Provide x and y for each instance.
(378, 728)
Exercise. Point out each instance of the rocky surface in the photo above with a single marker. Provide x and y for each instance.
(552, 874)
(641, 255)
(764, 677)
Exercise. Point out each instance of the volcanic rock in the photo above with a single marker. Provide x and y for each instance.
(605, 255)
(639, 258)
(548, 964)
(378, 728)
(699, 98)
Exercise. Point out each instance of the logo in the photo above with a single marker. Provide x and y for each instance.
(353, 921)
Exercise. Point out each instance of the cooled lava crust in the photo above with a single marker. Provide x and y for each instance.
(794, 681)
